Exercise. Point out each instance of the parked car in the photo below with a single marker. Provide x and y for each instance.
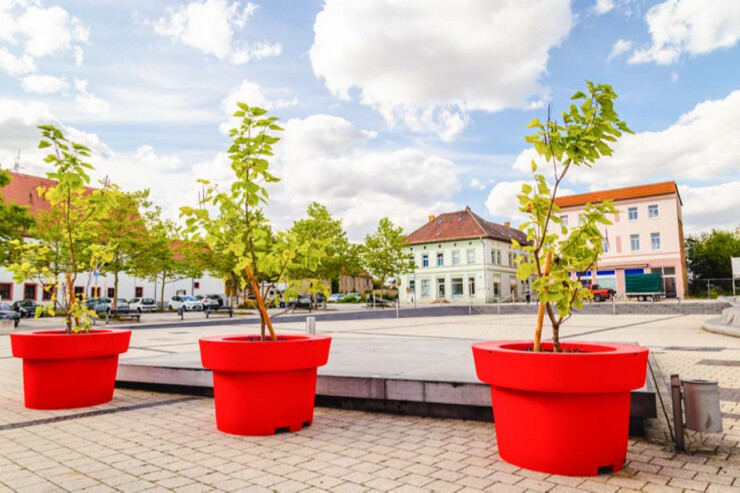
(336, 298)
(208, 303)
(189, 303)
(7, 313)
(103, 306)
(356, 295)
(600, 294)
(220, 299)
(25, 308)
(141, 305)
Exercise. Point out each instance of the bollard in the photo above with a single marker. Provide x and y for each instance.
(701, 400)
(397, 306)
(499, 305)
(310, 325)
(614, 306)
(181, 312)
(677, 413)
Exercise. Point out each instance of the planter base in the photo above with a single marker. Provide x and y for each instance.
(264, 403)
(567, 434)
(55, 384)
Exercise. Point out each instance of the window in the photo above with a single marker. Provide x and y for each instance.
(440, 259)
(29, 292)
(496, 257)
(196, 285)
(471, 286)
(48, 291)
(653, 211)
(655, 241)
(440, 289)
(564, 219)
(632, 213)
(6, 291)
(425, 288)
(580, 219)
(604, 245)
(95, 292)
(412, 286)
(425, 260)
(111, 292)
(456, 257)
(635, 242)
(79, 292)
(138, 292)
(471, 256)
(457, 287)
(512, 256)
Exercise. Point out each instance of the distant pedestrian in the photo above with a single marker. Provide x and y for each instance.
(528, 295)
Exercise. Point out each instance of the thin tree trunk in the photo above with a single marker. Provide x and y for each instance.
(161, 297)
(115, 291)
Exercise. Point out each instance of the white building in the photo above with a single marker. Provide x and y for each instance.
(461, 257)
(23, 191)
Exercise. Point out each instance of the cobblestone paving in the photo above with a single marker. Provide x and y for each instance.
(144, 441)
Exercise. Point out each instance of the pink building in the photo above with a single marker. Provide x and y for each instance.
(647, 235)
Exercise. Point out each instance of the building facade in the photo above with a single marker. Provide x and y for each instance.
(646, 235)
(461, 257)
(355, 284)
(23, 191)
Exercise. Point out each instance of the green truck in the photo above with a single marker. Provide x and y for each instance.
(644, 287)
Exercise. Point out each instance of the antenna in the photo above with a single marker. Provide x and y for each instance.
(17, 166)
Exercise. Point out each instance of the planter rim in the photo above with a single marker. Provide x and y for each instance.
(57, 344)
(233, 353)
(607, 368)
(589, 348)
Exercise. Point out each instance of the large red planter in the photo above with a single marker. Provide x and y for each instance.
(65, 371)
(264, 387)
(562, 413)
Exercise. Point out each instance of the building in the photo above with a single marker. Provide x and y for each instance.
(23, 191)
(355, 284)
(647, 235)
(461, 257)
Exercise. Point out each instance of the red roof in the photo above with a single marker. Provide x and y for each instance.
(651, 190)
(462, 225)
(22, 190)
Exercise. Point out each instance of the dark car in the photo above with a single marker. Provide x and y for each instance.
(26, 308)
(7, 313)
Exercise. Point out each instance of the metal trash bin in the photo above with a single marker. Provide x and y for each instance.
(701, 402)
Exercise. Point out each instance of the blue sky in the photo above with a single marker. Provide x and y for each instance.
(391, 108)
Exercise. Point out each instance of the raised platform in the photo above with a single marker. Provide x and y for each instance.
(419, 376)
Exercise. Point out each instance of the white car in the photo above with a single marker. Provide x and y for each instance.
(187, 302)
(336, 298)
(141, 305)
(208, 303)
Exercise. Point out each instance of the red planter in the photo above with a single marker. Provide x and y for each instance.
(562, 413)
(261, 388)
(65, 371)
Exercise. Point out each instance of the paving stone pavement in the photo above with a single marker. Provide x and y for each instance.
(145, 441)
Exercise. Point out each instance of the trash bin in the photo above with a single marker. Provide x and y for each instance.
(701, 402)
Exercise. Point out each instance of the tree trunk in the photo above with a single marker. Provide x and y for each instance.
(115, 291)
(161, 297)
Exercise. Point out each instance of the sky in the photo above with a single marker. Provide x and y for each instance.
(390, 108)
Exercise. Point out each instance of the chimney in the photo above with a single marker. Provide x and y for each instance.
(507, 224)
(431, 217)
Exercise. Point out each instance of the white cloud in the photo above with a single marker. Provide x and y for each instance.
(603, 6)
(44, 84)
(323, 158)
(713, 206)
(695, 27)
(78, 56)
(150, 159)
(477, 184)
(209, 26)
(427, 63)
(502, 200)
(89, 103)
(49, 30)
(252, 94)
(674, 77)
(15, 65)
(621, 46)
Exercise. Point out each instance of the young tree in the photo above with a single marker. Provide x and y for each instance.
(383, 255)
(80, 211)
(321, 224)
(15, 221)
(554, 251)
(124, 230)
(259, 252)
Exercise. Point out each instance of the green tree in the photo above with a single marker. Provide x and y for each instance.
(240, 228)
(80, 212)
(124, 230)
(321, 225)
(554, 251)
(15, 221)
(383, 255)
(708, 254)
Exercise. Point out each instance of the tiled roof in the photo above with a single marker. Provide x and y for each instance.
(22, 190)
(651, 190)
(462, 225)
